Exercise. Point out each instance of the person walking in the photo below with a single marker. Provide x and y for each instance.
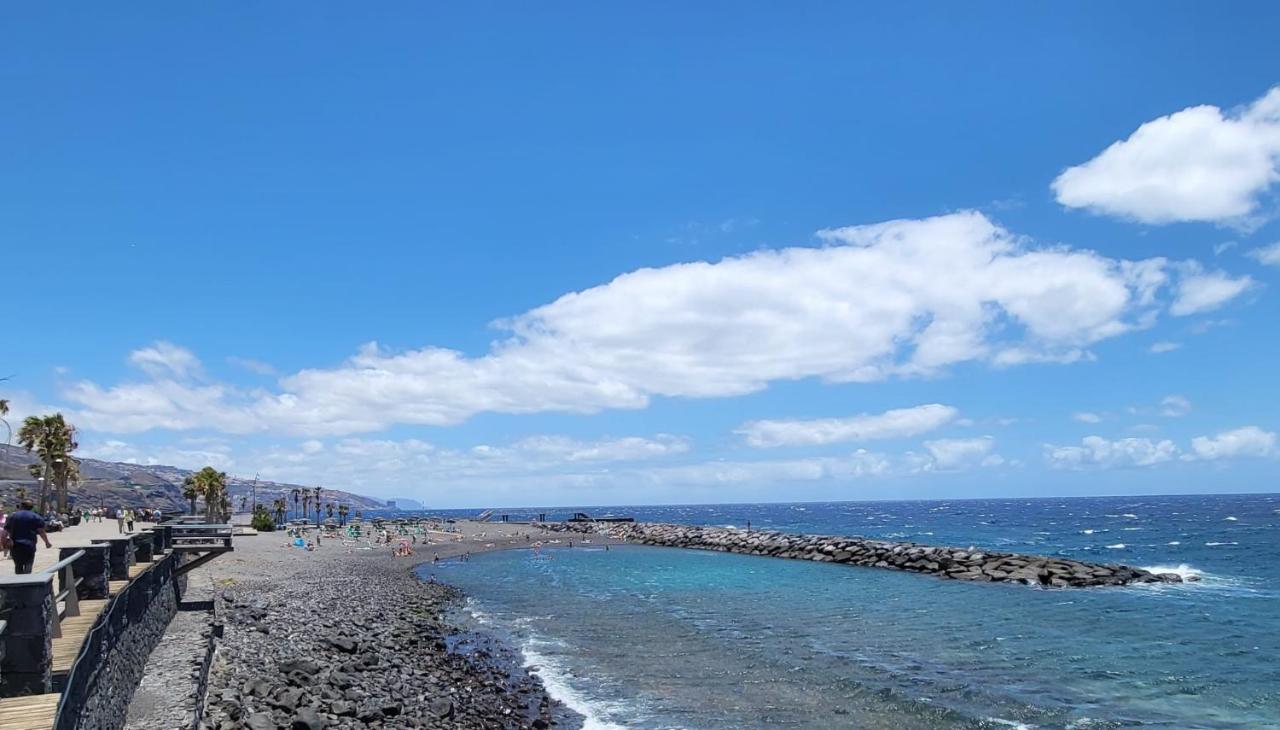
(120, 519)
(20, 532)
(128, 519)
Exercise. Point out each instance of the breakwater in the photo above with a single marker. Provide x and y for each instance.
(972, 564)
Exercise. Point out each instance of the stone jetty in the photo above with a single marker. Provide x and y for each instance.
(970, 564)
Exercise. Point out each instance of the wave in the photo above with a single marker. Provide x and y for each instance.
(1216, 544)
(555, 678)
(1118, 546)
(1186, 572)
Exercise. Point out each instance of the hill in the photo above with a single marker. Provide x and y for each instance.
(114, 484)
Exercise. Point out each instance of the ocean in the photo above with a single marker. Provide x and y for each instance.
(652, 637)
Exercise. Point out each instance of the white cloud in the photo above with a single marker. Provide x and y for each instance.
(1201, 291)
(186, 454)
(1174, 406)
(1087, 417)
(1269, 254)
(953, 454)
(1164, 346)
(1095, 452)
(164, 359)
(896, 423)
(898, 299)
(254, 366)
(1249, 441)
(1199, 164)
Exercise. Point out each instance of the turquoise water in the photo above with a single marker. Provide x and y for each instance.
(662, 638)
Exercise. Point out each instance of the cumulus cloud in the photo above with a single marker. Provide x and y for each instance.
(953, 454)
(896, 423)
(1249, 441)
(1163, 346)
(165, 359)
(186, 454)
(1087, 417)
(1202, 291)
(1095, 452)
(1198, 164)
(1269, 254)
(898, 299)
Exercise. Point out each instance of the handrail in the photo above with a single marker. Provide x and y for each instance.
(64, 562)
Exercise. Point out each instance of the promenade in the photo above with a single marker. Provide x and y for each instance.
(82, 534)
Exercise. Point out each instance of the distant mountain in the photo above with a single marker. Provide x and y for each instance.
(116, 484)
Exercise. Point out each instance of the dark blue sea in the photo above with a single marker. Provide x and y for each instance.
(649, 637)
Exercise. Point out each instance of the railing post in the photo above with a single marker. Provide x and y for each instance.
(121, 555)
(93, 569)
(26, 660)
(143, 547)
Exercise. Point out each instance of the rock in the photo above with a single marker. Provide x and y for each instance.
(344, 644)
(260, 721)
(307, 719)
(442, 709)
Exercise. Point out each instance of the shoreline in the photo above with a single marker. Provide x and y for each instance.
(349, 636)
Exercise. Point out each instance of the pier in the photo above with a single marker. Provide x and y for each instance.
(75, 634)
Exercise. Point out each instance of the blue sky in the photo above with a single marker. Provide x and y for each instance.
(651, 253)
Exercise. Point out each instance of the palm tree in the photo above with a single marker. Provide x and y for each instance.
(306, 502)
(4, 411)
(190, 491)
(280, 506)
(212, 484)
(296, 495)
(343, 511)
(328, 510)
(53, 440)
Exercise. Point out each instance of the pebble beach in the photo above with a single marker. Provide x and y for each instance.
(346, 636)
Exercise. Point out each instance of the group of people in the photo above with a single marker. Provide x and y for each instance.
(21, 530)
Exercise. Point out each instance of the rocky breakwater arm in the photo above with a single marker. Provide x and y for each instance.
(944, 562)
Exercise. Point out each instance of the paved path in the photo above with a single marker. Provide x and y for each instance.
(81, 534)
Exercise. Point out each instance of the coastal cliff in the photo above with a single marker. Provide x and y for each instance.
(970, 564)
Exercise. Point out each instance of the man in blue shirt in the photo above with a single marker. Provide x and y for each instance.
(20, 532)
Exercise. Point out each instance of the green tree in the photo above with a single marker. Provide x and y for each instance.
(262, 521)
(343, 511)
(280, 505)
(53, 440)
(212, 485)
(191, 491)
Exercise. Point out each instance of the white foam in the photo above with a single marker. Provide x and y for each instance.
(1010, 723)
(1130, 515)
(1230, 519)
(1182, 569)
(1174, 542)
(1216, 544)
(1118, 546)
(556, 681)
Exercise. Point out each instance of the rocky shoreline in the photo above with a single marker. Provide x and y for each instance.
(355, 642)
(969, 564)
